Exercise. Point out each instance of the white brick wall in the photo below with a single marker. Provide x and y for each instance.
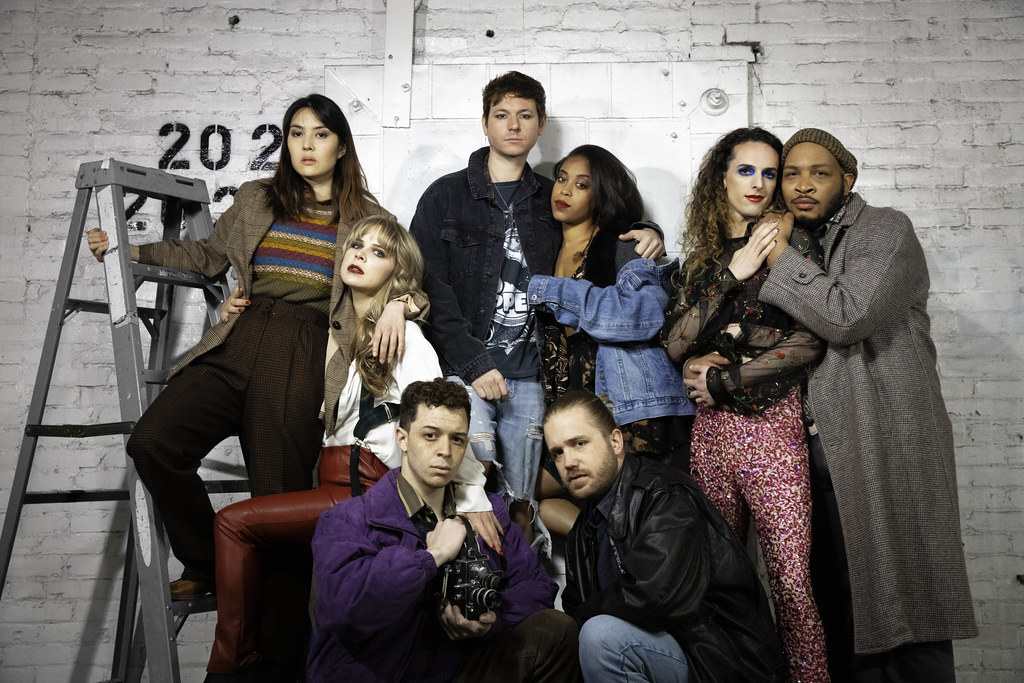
(927, 93)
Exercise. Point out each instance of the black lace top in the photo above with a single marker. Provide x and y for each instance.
(769, 352)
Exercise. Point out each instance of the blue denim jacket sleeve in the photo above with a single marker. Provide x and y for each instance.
(631, 310)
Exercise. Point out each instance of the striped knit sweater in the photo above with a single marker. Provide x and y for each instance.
(295, 260)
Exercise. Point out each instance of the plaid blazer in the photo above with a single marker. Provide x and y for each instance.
(883, 424)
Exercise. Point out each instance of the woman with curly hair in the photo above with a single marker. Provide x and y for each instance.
(744, 363)
(381, 263)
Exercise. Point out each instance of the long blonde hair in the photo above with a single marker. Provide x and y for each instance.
(404, 279)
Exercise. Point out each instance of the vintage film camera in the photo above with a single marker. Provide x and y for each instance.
(468, 582)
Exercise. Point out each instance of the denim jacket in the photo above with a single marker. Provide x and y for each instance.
(633, 369)
(460, 229)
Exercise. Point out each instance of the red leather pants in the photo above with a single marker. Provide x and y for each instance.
(281, 524)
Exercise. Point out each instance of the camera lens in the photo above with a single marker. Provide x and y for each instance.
(495, 581)
(486, 597)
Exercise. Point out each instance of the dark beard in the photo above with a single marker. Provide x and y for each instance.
(812, 224)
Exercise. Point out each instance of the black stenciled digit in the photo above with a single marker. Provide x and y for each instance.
(261, 163)
(134, 207)
(225, 147)
(224, 192)
(168, 160)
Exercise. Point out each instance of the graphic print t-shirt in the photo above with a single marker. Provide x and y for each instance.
(510, 341)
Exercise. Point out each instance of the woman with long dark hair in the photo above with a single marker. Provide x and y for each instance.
(259, 374)
(744, 363)
(599, 313)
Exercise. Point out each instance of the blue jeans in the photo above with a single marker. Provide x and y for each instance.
(515, 424)
(612, 649)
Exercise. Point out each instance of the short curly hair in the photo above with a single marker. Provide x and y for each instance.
(435, 393)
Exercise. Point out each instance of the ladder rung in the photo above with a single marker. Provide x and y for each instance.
(99, 495)
(82, 305)
(171, 276)
(227, 485)
(76, 496)
(80, 431)
(156, 376)
(77, 305)
(183, 608)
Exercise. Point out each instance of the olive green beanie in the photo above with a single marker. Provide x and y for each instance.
(847, 161)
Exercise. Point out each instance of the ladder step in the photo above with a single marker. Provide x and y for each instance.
(101, 495)
(227, 485)
(172, 276)
(80, 431)
(84, 306)
(79, 305)
(149, 181)
(76, 496)
(182, 608)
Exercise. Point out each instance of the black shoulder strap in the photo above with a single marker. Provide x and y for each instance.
(369, 417)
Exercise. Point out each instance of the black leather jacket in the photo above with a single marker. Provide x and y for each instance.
(682, 571)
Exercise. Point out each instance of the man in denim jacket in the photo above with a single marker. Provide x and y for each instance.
(483, 232)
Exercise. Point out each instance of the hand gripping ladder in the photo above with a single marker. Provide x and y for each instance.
(185, 205)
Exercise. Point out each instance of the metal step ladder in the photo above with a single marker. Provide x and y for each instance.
(185, 207)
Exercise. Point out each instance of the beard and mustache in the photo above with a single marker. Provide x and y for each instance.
(813, 223)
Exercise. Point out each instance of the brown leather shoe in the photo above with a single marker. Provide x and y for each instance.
(185, 589)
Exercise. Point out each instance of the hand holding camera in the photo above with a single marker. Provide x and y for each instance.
(446, 540)
(468, 583)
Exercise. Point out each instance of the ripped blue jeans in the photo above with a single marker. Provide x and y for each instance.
(515, 424)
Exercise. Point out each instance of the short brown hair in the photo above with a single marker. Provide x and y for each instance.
(435, 393)
(594, 406)
(514, 84)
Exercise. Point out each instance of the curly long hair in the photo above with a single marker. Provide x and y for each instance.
(707, 213)
(617, 205)
(349, 195)
(404, 279)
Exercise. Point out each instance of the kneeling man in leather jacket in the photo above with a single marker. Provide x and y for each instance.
(661, 588)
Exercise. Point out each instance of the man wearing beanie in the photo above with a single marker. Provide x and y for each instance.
(887, 560)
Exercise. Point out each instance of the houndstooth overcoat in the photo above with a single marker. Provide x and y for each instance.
(877, 404)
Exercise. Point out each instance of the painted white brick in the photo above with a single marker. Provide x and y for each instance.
(927, 94)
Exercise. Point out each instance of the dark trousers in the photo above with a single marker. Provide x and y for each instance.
(830, 575)
(265, 383)
(543, 648)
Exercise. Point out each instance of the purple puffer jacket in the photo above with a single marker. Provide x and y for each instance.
(375, 605)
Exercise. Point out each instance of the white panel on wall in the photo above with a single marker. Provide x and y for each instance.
(583, 90)
(658, 117)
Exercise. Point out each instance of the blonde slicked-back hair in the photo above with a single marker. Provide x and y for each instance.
(406, 278)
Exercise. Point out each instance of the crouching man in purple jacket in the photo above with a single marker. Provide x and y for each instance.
(377, 559)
